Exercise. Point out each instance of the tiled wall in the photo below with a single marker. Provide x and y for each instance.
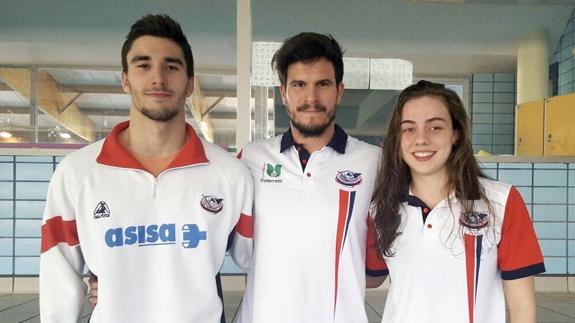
(549, 192)
(493, 113)
(23, 186)
(564, 56)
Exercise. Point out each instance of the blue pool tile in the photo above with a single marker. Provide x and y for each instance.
(550, 165)
(482, 87)
(35, 159)
(31, 190)
(504, 77)
(547, 230)
(515, 165)
(490, 173)
(482, 97)
(482, 107)
(517, 177)
(504, 108)
(556, 248)
(28, 228)
(33, 171)
(27, 265)
(571, 216)
(6, 228)
(27, 247)
(488, 165)
(6, 247)
(571, 178)
(504, 97)
(30, 209)
(6, 266)
(6, 209)
(550, 212)
(556, 265)
(544, 177)
(507, 87)
(482, 77)
(550, 195)
(6, 190)
(6, 171)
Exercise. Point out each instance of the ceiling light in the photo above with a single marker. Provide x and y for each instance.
(65, 135)
(5, 134)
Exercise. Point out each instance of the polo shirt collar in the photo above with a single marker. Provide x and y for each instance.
(114, 154)
(338, 142)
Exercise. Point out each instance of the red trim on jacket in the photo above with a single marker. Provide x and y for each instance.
(115, 154)
(245, 226)
(56, 230)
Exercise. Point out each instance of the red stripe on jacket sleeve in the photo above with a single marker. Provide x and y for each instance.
(518, 247)
(245, 226)
(56, 230)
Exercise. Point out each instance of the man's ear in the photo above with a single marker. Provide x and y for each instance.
(125, 82)
(190, 87)
(340, 89)
(283, 94)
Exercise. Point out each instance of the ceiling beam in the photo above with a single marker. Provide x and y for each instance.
(199, 111)
(50, 100)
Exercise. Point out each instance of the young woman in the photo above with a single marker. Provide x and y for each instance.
(456, 244)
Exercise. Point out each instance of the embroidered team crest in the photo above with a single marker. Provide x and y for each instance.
(474, 220)
(273, 170)
(212, 204)
(102, 210)
(348, 178)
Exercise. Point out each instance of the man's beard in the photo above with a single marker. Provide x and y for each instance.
(163, 115)
(313, 130)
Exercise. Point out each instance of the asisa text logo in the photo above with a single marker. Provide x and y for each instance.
(155, 235)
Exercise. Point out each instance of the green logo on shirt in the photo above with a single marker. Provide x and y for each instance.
(274, 170)
(271, 173)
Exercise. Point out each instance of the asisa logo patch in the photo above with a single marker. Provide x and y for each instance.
(348, 178)
(212, 204)
(102, 210)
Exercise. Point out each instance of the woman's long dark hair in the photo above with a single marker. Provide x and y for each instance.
(394, 176)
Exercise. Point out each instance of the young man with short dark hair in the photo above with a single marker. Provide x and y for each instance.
(149, 209)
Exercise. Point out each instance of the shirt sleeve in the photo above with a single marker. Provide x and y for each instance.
(519, 254)
(241, 248)
(375, 266)
(62, 290)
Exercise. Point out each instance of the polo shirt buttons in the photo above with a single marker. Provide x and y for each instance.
(308, 174)
(429, 225)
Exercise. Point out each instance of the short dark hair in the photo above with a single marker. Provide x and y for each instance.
(159, 26)
(308, 46)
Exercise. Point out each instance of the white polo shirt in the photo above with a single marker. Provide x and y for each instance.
(156, 244)
(310, 233)
(444, 271)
